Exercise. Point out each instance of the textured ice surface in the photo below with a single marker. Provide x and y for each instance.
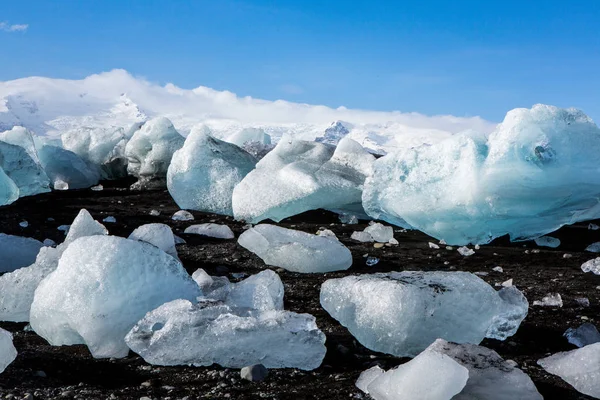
(159, 235)
(9, 191)
(451, 371)
(17, 252)
(247, 135)
(592, 265)
(535, 173)
(111, 283)
(25, 172)
(298, 176)
(104, 147)
(586, 334)
(65, 167)
(204, 172)
(211, 230)
(18, 287)
(547, 241)
(465, 251)
(149, 152)
(401, 313)
(362, 236)
(20, 136)
(263, 291)
(182, 215)
(182, 333)
(380, 233)
(551, 300)
(579, 368)
(8, 353)
(296, 251)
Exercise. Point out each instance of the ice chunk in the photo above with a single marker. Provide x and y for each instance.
(159, 235)
(372, 261)
(465, 251)
(65, 167)
(296, 251)
(593, 227)
(211, 230)
(551, 300)
(362, 236)
(348, 219)
(380, 233)
(17, 252)
(263, 291)
(591, 265)
(24, 171)
(579, 368)
(535, 173)
(110, 219)
(433, 246)
(460, 372)
(247, 135)
(412, 309)
(586, 334)
(547, 241)
(20, 136)
(111, 283)
(9, 191)
(298, 176)
(149, 153)
(368, 376)
(204, 172)
(593, 248)
(18, 287)
(97, 188)
(182, 215)
(8, 353)
(327, 233)
(182, 333)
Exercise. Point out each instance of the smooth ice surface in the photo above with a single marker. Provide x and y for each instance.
(593, 248)
(579, 368)
(263, 291)
(535, 173)
(9, 191)
(296, 251)
(298, 176)
(25, 172)
(65, 167)
(18, 287)
(111, 284)
(20, 136)
(547, 241)
(159, 235)
(592, 266)
(8, 353)
(150, 150)
(182, 215)
(17, 252)
(368, 376)
(380, 233)
(211, 230)
(182, 333)
(583, 335)
(439, 372)
(401, 313)
(204, 172)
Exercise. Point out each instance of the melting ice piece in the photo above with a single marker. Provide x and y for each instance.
(451, 371)
(579, 368)
(112, 282)
(327, 233)
(211, 230)
(263, 292)
(204, 172)
(298, 176)
(296, 251)
(380, 233)
(348, 219)
(182, 215)
(182, 333)
(459, 189)
(25, 172)
(593, 248)
(551, 300)
(66, 169)
(591, 265)
(18, 287)
(586, 334)
(17, 252)
(593, 227)
(465, 251)
(547, 241)
(458, 306)
(149, 152)
(361, 236)
(9, 191)
(159, 235)
(8, 353)
(110, 220)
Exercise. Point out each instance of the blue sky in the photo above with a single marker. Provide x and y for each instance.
(435, 57)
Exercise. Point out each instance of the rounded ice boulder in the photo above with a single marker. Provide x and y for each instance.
(102, 287)
(8, 353)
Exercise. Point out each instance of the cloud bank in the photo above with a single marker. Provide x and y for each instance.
(6, 27)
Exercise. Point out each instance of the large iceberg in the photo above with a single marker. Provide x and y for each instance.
(66, 169)
(18, 287)
(8, 353)
(102, 286)
(204, 172)
(296, 251)
(447, 371)
(149, 152)
(535, 173)
(17, 252)
(298, 176)
(579, 368)
(24, 171)
(401, 313)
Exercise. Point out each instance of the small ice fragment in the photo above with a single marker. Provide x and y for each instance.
(239, 275)
(23, 224)
(507, 283)
(348, 219)
(8, 353)
(393, 241)
(498, 269)
(433, 246)
(465, 251)
(368, 376)
(363, 237)
(182, 215)
(372, 261)
(591, 265)
(327, 233)
(593, 227)
(155, 213)
(443, 242)
(64, 228)
(49, 243)
(211, 230)
(110, 219)
(379, 232)
(60, 185)
(477, 247)
(566, 255)
(449, 248)
(547, 241)
(593, 248)
(97, 188)
(586, 334)
(481, 273)
(583, 301)
(551, 300)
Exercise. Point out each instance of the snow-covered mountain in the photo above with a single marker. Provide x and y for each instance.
(118, 99)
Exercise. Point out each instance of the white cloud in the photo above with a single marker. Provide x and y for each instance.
(6, 27)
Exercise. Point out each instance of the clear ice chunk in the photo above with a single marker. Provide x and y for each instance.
(211, 230)
(17, 252)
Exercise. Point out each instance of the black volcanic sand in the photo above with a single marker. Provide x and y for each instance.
(70, 372)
